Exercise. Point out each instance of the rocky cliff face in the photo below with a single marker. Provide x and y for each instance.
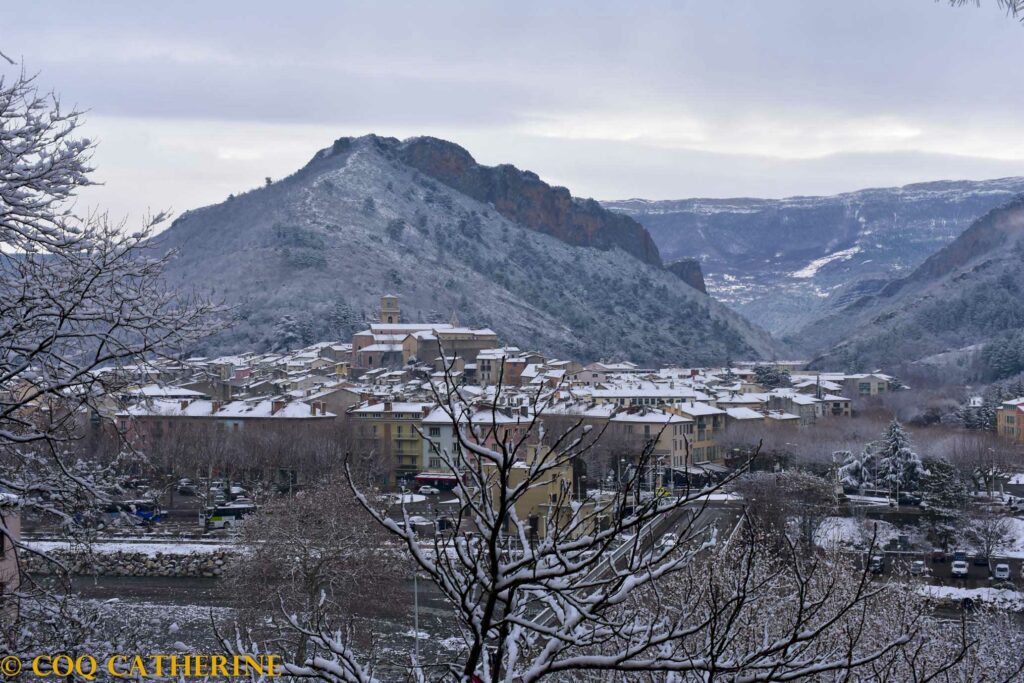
(521, 196)
(688, 270)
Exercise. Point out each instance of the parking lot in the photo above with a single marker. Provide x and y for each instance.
(897, 563)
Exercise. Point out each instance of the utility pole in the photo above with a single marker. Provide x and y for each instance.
(416, 613)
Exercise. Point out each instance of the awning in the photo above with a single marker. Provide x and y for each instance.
(436, 476)
(713, 467)
(688, 469)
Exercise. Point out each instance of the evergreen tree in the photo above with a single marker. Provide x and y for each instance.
(899, 467)
(856, 470)
(945, 494)
(771, 377)
(343, 320)
(287, 334)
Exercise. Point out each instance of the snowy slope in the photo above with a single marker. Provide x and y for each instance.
(357, 222)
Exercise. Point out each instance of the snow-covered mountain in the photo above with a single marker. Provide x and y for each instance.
(964, 296)
(785, 263)
(419, 218)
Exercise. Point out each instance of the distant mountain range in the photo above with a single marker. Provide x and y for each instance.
(307, 257)
(966, 294)
(786, 263)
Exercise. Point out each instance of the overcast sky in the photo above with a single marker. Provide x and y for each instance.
(191, 101)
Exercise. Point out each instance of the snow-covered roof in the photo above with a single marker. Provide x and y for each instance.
(781, 416)
(650, 417)
(699, 409)
(247, 409)
(743, 414)
(382, 348)
(161, 391)
(396, 407)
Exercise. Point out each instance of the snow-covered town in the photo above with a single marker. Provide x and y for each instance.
(512, 342)
(418, 415)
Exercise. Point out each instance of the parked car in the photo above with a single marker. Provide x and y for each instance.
(918, 568)
(907, 499)
(186, 487)
(146, 509)
(877, 564)
(959, 556)
(939, 556)
(428, 491)
(667, 541)
(1001, 572)
(960, 569)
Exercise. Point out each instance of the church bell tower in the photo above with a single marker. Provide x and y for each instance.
(390, 314)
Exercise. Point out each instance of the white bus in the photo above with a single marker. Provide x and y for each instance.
(225, 516)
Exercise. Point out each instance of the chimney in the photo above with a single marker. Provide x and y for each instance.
(184, 404)
(312, 408)
(694, 372)
(387, 406)
(216, 406)
(276, 405)
(425, 410)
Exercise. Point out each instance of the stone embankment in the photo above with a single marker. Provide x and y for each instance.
(102, 559)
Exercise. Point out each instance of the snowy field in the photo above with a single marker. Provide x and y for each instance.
(853, 532)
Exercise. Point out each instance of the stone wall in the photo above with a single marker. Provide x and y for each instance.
(122, 563)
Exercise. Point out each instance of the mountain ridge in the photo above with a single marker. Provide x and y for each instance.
(309, 256)
(519, 195)
(965, 294)
(785, 263)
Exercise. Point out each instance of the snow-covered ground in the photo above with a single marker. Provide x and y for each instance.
(812, 268)
(869, 500)
(149, 548)
(847, 532)
(998, 597)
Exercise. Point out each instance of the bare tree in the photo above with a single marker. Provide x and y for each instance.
(544, 584)
(79, 297)
(786, 505)
(318, 556)
(990, 531)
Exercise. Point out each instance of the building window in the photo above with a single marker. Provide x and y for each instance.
(435, 462)
(435, 431)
